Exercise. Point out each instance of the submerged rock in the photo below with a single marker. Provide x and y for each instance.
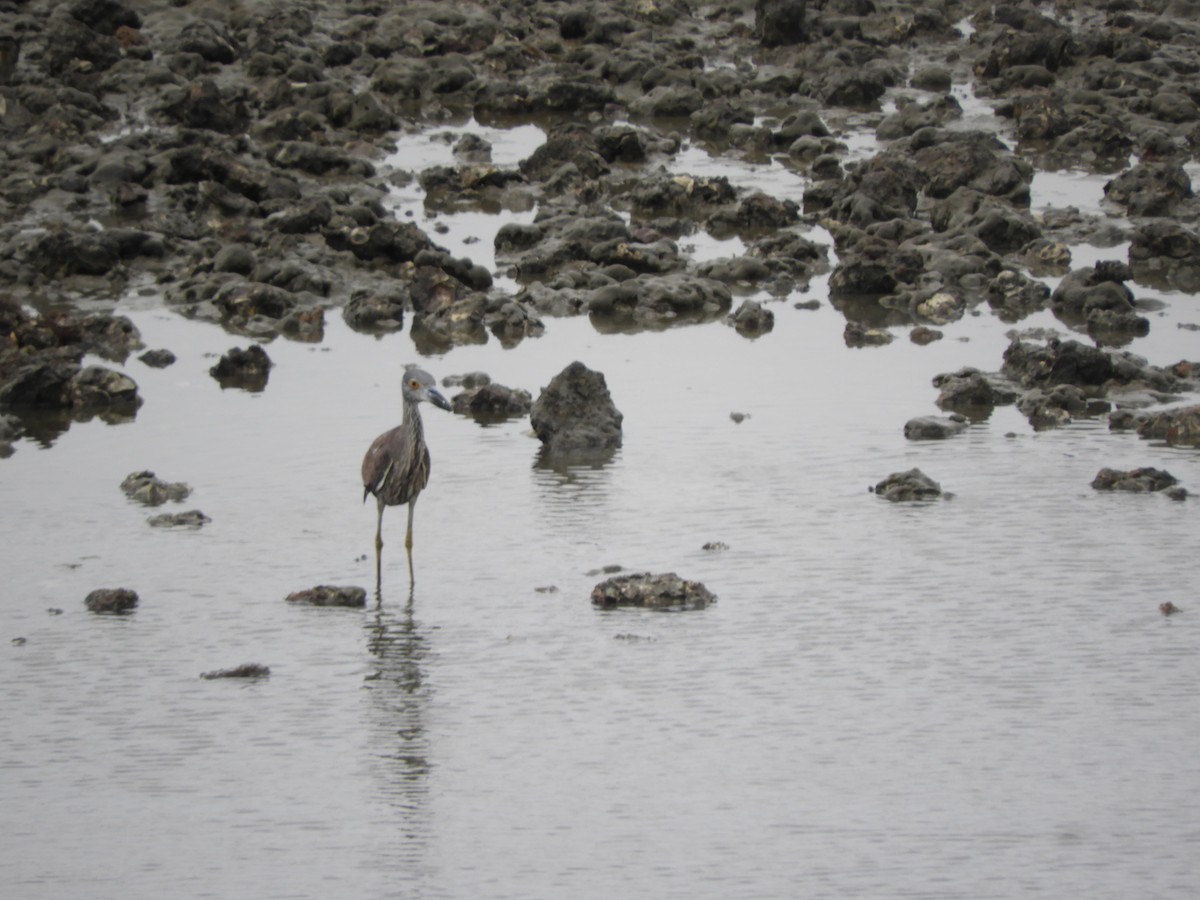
(328, 595)
(1058, 405)
(246, 670)
(1136, 480)
(149, 490)
(576, 413)
(247, 369)
(158, 359)
(193, 518)
(112, 600)
(973, 393)
(665, 591)
(934, 428)
(905, 486)
(492, 402)
(751, 319)
(1176, 426)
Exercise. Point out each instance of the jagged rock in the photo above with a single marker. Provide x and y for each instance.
(662, 591)
(972, 392)
(751, 319)
(934, 428)
(112, 600)
(247, 369)
(779, 23)
(492, 402)
(158, 359)
(1058, 405)
(1150, 188)
(1135, 480)
(193, 518)
(855, 334)
(328, 595)
(906, 486)
(149, 490)
(576, 412)
(1178, 427)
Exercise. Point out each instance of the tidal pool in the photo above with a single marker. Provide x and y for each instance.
(886, 700)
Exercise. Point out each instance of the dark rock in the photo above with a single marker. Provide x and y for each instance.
(857, 335)
(932, 77)
(934, 428)
(751, 319)
(158, 359)
(657, 301)
(246, 670)
(1150, 188)
(512, 321)
(98, 387)
(468, 381)
(882, 188)
(10, 430)
(193, 518)
(779, 23)
(1001, 227)
(650, 591)
(112, 600)
(907, 486)
(448, 323)
(1014, 296)
(576, 413)
(1178, 427)
(1058, 405)
(912, 117)
(975, 161)
(1135, 480)
(1057, 362)
(147, 489)
(1166, 253)
(371, 311)
(492, 402)
(941, 308)
(248, 369)
(972, 392)
(328, 595)
(1102, 287)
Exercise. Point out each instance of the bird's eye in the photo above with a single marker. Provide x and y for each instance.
(414, 384)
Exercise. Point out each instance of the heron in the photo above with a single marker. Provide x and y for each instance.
(396, 467)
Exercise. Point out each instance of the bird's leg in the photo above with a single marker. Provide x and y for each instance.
(379, 550)
(408, 540)
(379, 526)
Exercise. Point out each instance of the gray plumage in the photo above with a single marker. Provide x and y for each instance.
(396, 466)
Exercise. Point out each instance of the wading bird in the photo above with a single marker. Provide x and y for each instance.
(396, 467)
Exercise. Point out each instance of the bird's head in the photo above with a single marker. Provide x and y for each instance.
(419, 385)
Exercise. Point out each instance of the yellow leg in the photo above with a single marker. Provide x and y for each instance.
(408, 541)
(379, 552)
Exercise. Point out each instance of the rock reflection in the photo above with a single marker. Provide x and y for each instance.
(574, 489)
(399, 743)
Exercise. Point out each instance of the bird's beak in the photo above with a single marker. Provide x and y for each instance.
(436, 398)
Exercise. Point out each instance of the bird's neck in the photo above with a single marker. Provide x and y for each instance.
(412, 417)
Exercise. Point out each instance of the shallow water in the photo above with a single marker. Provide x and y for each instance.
(973, 697)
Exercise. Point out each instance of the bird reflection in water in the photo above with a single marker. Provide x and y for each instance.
(399, 743)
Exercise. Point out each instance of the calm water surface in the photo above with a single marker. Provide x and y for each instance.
(971, 698)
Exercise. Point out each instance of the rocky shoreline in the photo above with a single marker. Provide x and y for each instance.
(235, 160)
